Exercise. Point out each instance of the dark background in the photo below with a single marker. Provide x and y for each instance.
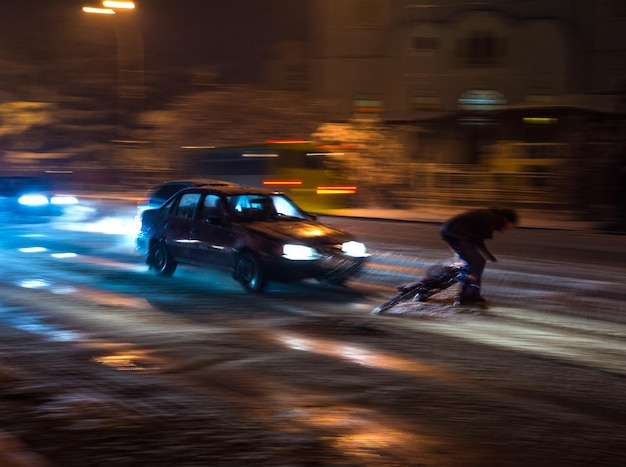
(233, 35)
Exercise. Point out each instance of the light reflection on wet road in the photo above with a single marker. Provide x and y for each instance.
(310, 358)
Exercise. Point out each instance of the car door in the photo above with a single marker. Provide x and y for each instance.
(210, 234)
(178, 225)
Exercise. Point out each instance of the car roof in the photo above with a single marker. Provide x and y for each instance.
(197, 182)
(232, 189)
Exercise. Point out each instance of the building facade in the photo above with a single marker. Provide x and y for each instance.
(507, 86)
(406, 58)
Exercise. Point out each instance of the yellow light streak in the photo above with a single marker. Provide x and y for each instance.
(283, 182)
(197, 147)
(332, 190)
(119, 5)
(99, 11)
(286, 141)
(541, 120)
(130, 361)
(361, 355)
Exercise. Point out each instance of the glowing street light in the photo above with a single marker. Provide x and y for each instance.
(119, 5)
(129, 52)
(109, 7)
(100, 11)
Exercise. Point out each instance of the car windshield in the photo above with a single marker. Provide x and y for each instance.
(253, 206)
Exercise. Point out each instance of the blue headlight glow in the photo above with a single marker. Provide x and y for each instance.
(33, 200)
(299, 252)
(63, 200)
(355, 249)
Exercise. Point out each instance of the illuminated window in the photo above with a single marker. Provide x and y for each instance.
(539, 98)
(367, 103)
(481, 99)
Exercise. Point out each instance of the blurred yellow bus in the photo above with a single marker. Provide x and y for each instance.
(302, 169)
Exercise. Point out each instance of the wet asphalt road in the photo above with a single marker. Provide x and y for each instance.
(128, 369)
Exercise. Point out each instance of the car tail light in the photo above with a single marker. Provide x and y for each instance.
(331, 190)
(282, 182)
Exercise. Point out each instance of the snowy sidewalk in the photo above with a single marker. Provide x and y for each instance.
(528, 218)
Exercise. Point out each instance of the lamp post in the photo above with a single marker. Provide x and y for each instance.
(130, 57)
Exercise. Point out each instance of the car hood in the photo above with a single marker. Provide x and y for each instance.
(303, 231)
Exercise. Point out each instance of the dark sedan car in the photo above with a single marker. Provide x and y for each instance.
(26, 197)
(259, 235)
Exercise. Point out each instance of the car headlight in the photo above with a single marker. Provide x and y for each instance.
(33, 200)
(356, 249)
(299, 252)
(63, 200)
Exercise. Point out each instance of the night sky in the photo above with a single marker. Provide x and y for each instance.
(176, 33)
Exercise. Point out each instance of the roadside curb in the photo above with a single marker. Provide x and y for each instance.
(528, 219)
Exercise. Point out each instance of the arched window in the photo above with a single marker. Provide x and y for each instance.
(481, 99)
(482, 48)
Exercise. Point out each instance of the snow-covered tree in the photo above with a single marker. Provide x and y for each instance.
(376, 160)
(232, 115)
(18, 117)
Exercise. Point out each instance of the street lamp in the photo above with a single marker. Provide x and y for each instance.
(109, 7)
(119, 5)
(101, 11)
(130, 55)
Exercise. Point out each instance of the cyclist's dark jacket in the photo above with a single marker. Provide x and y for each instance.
(476, 225)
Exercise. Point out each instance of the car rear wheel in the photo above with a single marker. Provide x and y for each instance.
(249, 273)
(161, 261)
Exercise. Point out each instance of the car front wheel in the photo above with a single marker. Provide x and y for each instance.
(161, 261)
(249, 273)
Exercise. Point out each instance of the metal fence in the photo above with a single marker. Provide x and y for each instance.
(466, 185)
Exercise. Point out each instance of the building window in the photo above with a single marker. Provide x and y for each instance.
(482, 48)
(481, 100)
(424, 44)
(367, 103)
